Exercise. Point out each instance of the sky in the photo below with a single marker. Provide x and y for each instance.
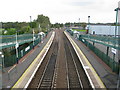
(59, 11)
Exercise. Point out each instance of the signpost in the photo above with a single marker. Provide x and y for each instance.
(113, 50)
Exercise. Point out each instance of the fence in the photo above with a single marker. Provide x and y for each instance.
(10, 57)
(108, 60)
(12, 38)
(105, 40)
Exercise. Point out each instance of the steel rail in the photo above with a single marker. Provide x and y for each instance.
(72, 73)
(48, 74)
(76, 68)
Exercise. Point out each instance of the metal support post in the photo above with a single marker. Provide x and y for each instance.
(107, 51)
(118, 83)
(17, 45)
(33, 38)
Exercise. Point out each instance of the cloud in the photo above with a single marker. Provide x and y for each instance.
(58, 10)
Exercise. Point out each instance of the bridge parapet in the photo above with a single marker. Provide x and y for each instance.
(10, 40)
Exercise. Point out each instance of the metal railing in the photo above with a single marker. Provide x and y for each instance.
(107, 41)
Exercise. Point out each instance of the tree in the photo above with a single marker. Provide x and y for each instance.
(10, 31)
(24, 30)
(33, 24)
(43, 21)
(67, 24)
(25, 27)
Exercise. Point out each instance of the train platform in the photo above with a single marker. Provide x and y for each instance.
(108, 77)
(93, 77)
(13, 73)
(23, 73)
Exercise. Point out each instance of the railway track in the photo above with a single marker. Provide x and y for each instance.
(76, 77)
(73, 76)
(48, 74)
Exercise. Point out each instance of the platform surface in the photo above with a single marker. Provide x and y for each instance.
(108, 77)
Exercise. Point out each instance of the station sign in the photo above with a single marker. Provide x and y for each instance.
(114, 50)
(26, 49)
(17, 45)
(83, 40)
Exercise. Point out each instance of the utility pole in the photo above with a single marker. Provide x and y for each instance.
(88, 23)
(48, 28)
(2, 57)
(17, 45)
(39, 33)
(88, 29)
(33, 38)
(39, 28)
(79, 23)
(32, 30)
(117, 9)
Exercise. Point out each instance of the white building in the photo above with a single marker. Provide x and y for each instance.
(102, 29)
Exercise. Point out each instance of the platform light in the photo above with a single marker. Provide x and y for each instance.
(16, 46)
(2, 56)
(32, 30)
(3, 60)
(79, 23)
(88, 22)
(117, 9)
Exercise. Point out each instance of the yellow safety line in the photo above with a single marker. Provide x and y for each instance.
(30, 66)
(88, 63)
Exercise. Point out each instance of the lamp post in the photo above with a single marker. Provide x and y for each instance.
(3, 63)
(47, 30)
(30, 22)
(48, 27)
(17, 45)
(117, 9)
(3, 60)
(33, 38)
(39, 28)
(79, 23)
(39, 33)
(88, 29)
(88, 22)
(32, 30)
